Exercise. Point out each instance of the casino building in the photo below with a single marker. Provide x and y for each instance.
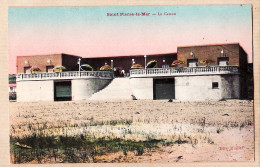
(207, 72)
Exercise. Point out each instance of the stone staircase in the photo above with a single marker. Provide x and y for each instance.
(118, 89)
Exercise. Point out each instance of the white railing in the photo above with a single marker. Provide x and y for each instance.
(65, 75)
(181, 71)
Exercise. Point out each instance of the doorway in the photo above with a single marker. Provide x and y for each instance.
(164, 88)
(62, 91)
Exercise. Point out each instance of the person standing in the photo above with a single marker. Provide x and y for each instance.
(123, 73)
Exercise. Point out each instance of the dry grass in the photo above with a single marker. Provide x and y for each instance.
(197, 124)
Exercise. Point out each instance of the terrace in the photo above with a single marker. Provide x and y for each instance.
(65, 75)
(149, 72)
(184, 71)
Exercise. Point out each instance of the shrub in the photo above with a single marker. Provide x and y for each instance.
(86, 67)
(106, 68)
(35, 69)
(177, 62)
(206, 61)
(137, 66)
(151, 64)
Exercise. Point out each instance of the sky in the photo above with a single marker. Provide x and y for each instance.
(89, 32)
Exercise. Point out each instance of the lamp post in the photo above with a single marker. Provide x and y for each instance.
(145, 61)
(112, 65)
(49, 61)
(163, 65)
(192, 54)
(79, 63)
(133, 62)
(222, 52)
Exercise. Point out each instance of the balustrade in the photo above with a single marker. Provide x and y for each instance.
(65, 75)
(175, 71)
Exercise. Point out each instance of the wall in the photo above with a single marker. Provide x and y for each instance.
(142, 87)
(200, 87)
(250, 80)
(82, 89)
(44, 90)
(70, 62)
(243, 63)
(187, 88)
(192, 88)
(243, 60)
(35, 91)
(210, 51)
(37, 60)
(230, 86)
(125, 62)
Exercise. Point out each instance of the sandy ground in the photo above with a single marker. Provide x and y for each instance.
(216, 130)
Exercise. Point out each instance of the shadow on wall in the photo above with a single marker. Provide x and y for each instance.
(108, 83)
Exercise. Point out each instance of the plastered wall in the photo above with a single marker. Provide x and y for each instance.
(82, 89)
(35, 91)
(142, 87)
(193, 88)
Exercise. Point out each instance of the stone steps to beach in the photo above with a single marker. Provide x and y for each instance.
(118, 89)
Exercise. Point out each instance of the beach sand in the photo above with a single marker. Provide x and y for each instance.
(214, 130)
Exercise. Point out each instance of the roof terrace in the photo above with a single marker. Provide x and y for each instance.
(65, 75)
(184, 71)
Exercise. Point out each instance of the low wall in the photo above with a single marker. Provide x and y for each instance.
(35, 91)
(82, 89)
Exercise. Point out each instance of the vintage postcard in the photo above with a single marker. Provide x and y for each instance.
(131, 84)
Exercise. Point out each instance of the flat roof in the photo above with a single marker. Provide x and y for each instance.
(49, 55)
(236, 43)
(132, 55)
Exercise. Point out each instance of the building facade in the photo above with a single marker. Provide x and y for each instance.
(125, 62)
(46, 63)
(207, 72)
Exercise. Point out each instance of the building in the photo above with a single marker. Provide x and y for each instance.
(12, 87)
(46, 63)
(223, 77)
(72, 84)
(12, 91)
(250, 81)
(207, 72)
(125, 62)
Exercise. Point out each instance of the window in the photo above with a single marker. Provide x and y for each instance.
(192, 62)
(49, 68)
(27, 70)
(223, 61)
(214, 85)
